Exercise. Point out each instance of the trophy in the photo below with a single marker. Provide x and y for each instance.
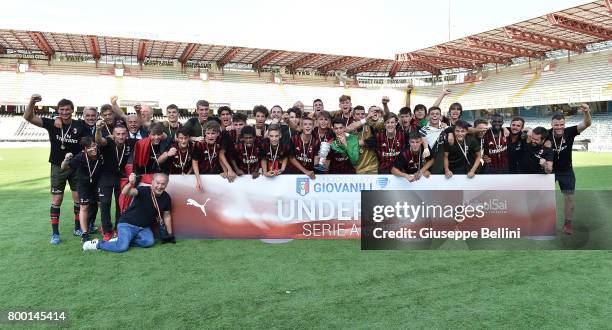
(323, 152)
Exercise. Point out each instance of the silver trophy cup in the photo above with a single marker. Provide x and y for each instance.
(323, 152)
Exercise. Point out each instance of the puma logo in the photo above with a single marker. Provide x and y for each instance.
(202, 207)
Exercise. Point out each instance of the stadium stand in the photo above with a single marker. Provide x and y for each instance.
(485, 66)
(586, 78)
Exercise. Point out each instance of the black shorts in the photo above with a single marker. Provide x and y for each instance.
(88, 192)
(59, 178)
(567, 181)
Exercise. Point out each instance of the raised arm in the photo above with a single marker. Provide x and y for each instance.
(385, 101)
(66, 162)
(164, 156)
(586, 122)
(29, 113)
(117, 109)
(408, 93)
(357, 124)
(99, 139)
(129, 189)
(441, 97)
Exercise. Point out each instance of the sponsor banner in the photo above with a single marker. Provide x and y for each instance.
(294, 206)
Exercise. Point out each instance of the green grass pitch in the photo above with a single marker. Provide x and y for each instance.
(316, 283)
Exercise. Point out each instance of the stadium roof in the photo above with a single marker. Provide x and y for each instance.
(570, 29)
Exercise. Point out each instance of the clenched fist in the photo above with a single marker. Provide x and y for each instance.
(35, 98)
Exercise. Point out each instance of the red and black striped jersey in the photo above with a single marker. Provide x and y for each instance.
(305, 152)
(496, 147)
(274, 155)
(207, 156)
(410, 162)
(247, 158)
(181, 162)
(339, 163)
(387, 149)
(347, 121)
(327, 136)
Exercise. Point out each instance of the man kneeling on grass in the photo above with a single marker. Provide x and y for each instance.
(149, 204)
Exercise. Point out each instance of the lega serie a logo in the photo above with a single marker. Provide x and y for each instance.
(302, 186)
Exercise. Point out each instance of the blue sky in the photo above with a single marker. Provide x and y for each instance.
(378, 28)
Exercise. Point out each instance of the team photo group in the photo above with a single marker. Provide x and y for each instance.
(113, 160)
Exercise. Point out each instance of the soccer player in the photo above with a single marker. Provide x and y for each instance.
(346, 110)
(537, 157)
(359, 113)
(435, 136)
(181, 161)
(480, 126)
(455, 111)
(248, 154)
(115, 152)
(232, 136)
(462, 156)
(374, 119)
(317, 106)
(229, 138)
(90, 115)
(562, 139)
(419, 120)
(411, 164)
(292, 119)
(63, 140)
(515, 144)
(195, 126)
(495, 147)
(365, 130)
(305, 149)
(88, 163)
(420, 111)
(299, 104)
(206, 155)
(276, 115)
(150, 154)
(389, 144)
(344, 150)
(172, 124)
(151, 204)
(108, 116)
(261, 115)
(323, 132)
(225, 116)
(275, 152)
(405, 117)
